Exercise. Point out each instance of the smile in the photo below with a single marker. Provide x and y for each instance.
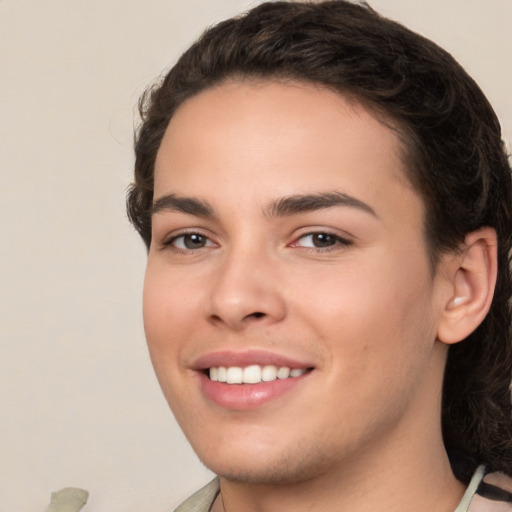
(249, 379)
(253, 374)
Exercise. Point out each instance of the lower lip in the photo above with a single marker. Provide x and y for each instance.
(247, 396)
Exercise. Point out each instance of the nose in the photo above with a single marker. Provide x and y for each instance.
(246, 290)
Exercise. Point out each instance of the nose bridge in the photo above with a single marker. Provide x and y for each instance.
(245, 288)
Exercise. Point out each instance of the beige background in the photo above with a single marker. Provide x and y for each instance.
(79, 403)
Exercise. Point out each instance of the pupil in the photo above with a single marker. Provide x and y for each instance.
(323, 240)
(194, 241)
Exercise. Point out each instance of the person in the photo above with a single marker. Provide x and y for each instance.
(327, 207)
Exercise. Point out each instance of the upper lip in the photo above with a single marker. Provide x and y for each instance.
(246, 358)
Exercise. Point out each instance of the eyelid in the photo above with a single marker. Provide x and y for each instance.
(168, 241)
(173, 242)
(343, 240)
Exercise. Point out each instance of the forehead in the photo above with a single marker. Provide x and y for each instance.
(262, 105)
(256, 138)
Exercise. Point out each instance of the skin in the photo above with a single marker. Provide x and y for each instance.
(362, 430)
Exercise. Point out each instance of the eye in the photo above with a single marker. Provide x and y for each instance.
(320, 240)
(190, 241)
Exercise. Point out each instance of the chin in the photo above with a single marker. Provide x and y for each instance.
(285, 468)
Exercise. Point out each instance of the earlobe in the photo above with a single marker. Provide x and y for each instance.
(472, 283)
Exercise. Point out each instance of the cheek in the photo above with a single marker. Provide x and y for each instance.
(374, 320)
(165, 309)
(376, 352)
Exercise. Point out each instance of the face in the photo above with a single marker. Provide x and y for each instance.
(289, 306)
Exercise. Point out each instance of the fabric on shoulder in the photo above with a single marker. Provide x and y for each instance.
(475, 481)
(70, 499)
(494, 494)
(491, 492)
(202, 500)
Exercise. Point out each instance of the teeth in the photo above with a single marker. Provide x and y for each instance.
(283, 373)
(222, 374)
(234, 375)
(253, 374)
(269, 373)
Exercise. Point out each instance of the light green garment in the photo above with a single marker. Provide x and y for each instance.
(203, 499)
(466, 500)
(474, 500)
(69, 499)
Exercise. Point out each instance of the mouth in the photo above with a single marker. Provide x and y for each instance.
(249, 379)
(253, 374)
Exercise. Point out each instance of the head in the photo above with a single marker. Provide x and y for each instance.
(451, 149)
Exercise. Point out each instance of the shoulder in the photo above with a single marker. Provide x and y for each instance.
(202, 500)
(494, 494)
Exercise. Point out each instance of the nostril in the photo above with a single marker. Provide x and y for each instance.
(257, 314)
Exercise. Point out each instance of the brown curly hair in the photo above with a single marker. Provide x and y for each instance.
(455, 156)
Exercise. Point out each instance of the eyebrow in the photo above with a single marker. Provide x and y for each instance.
(282, 207)
(187, 205)
(303, 203)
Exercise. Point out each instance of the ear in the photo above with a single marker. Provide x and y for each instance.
(472, 278)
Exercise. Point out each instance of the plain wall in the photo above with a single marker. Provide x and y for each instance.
(79, 404)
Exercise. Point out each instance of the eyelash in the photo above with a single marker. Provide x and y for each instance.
(170, 243)
(338, 241)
